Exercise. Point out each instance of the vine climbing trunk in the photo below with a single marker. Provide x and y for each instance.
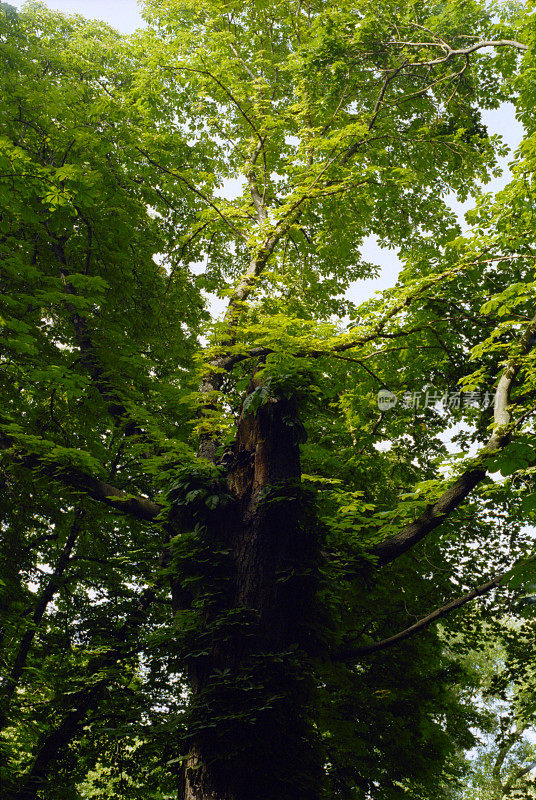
(254, 687)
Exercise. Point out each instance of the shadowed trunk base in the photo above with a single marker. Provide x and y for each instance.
(253, 692)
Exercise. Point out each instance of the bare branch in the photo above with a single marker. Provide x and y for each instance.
(244, 64)
(449, 53)
(422, 624)
(465, 51)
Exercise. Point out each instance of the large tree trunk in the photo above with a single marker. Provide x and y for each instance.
(256, 741)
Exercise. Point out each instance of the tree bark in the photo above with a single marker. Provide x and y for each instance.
(259, 739)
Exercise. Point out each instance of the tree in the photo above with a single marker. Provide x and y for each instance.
(213, 535)
(503, 764)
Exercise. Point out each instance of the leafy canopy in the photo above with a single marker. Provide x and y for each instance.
(120, 236)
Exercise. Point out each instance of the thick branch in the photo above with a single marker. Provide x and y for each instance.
(57, 739)
(437, 513)
(451, 52)
(510, 784)
(377, 331)
(422, 624)
(136, 506)
(74, 478)
(511, 739)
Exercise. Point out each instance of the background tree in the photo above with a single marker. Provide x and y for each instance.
(203, 606)
(503, 764)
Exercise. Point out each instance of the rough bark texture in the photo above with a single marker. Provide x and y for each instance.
(265, 748)
(269, 542)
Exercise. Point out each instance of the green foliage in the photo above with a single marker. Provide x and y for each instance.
(138, 642)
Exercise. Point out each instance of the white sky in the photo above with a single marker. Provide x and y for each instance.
(122, 14)
(501, 121)
(125, 16)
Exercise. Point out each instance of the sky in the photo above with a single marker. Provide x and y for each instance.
(122, 14)
(501, 121)
(125, 16)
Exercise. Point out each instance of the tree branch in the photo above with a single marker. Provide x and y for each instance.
(227, 361)
(193, 189)
(82, 335)
(422, 624)
(516, 776)
(83, 701)
(437, 513)
(451, 52)
(74, 478)
(43, 601)
(511, 739)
